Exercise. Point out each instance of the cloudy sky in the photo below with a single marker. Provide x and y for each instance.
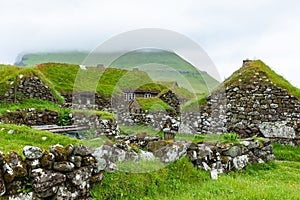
(228, 30)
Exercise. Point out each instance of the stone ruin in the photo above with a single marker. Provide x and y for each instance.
(249, 107)
(27, 87)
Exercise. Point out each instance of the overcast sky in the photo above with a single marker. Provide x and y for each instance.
(228, 30)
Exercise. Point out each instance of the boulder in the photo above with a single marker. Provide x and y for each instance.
(32, 152)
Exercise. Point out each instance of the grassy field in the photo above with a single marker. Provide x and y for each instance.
(181, 180)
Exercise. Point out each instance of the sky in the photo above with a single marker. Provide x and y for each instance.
(228, 30)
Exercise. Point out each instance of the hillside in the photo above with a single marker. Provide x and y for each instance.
(69, 77)
(160, 65)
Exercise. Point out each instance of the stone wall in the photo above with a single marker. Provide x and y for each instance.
(36, 117)
(27, 88)
(224, 157)
(30, 117)
(63, 173)
(172, 100)
(248, 108)
(107, 127)
(70, 172)
(87, 100)
(156, 120)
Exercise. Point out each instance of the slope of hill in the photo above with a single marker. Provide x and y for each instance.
(69, 77)
(160, 65)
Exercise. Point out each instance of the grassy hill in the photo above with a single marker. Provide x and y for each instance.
(69, 77)
(160, 65)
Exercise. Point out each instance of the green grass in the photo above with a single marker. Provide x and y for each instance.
(194, 104)
(260, 67)
(101, 114)
(287, 153)
(153, 104)
(23, 135)
(181, 180)
(30, 103)
(159, 65)
(68, 78)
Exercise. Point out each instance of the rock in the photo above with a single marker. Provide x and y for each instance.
(64, 166)
(76, 160)
(22, 196)
(277, 129)
(172, 152)
(101, 164)
(63, 193)
(59, 152)
(88, 160)
(155, 145)
(47, 160)
(234, 151)
(32, 152)
(214, 174)
(143, 155)
(82, 150)
(46, 182)
(80, 177)
(13, 167)
(2, 185)
(240, 162)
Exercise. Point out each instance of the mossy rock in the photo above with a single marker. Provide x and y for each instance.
(155, 145)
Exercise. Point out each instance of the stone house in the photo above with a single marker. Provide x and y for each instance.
(130, 94)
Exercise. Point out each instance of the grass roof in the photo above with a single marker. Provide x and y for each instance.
(153, 104)
(257, 66)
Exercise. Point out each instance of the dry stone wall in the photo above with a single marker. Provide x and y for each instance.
(248, 108)
(30, 117)
(63, 173)
(27, 88)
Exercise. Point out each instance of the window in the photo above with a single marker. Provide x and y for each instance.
(147, 95)
(129, 96)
